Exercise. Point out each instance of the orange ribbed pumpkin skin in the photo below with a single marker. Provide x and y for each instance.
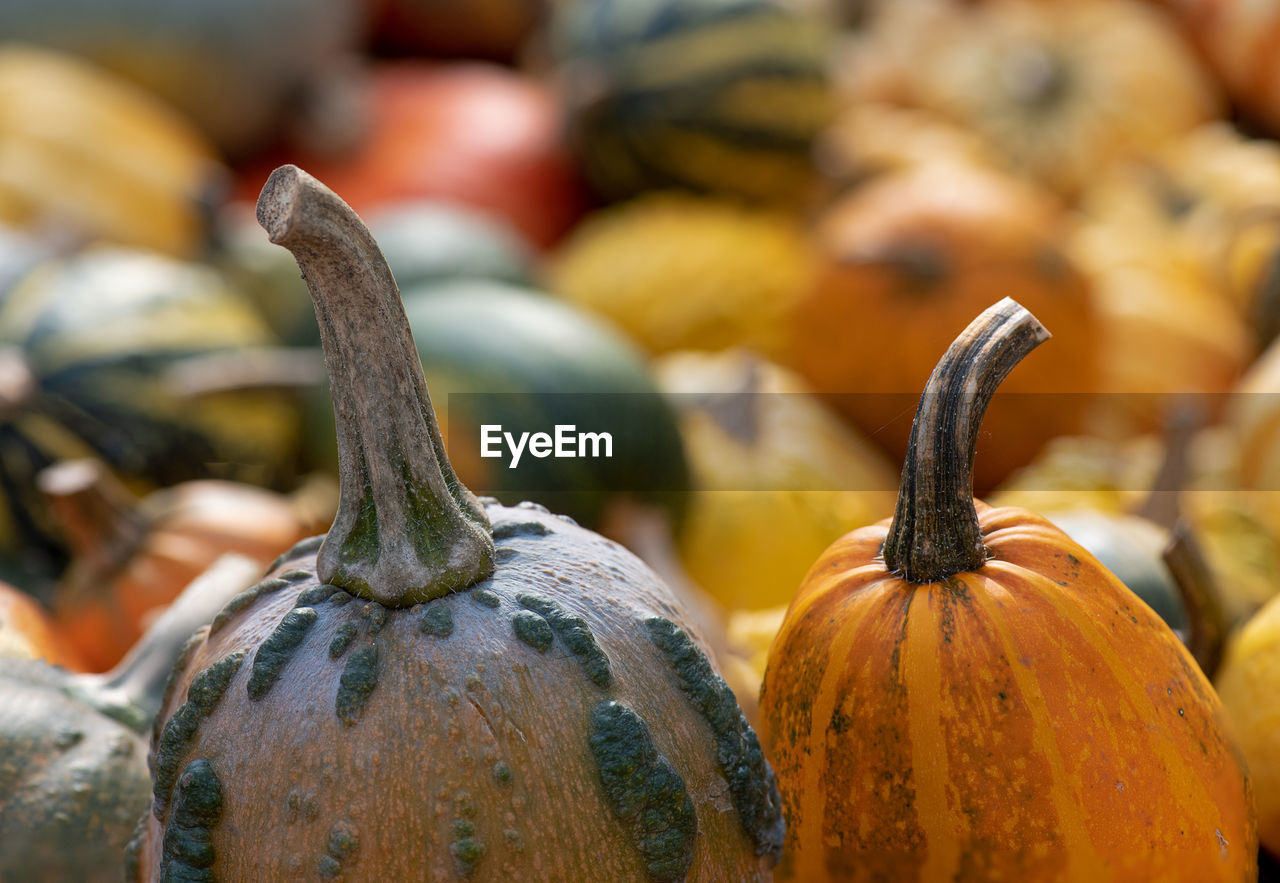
(1032, 720)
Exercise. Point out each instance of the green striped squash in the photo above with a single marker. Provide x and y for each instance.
(91, 348)
(710, 95)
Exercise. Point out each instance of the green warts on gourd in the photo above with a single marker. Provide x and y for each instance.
(343, 635)
(533, 630)
(485, 598)
(276, 651)
(303, 547)
(644, 791)
(203, 695)
(183, 659)
(574, 633)
(357, 682)
(406, 530)
(752, 786)
(466, 848)
(187, 850)
(208, 687)
(314, 595)
(436, 619)
(243, 601)
(343, 843)
(504, 530)
(375, 617)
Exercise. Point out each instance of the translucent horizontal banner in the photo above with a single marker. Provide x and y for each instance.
(648, 442)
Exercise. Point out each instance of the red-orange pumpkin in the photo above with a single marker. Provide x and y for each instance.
(479, 134)
(963, 692)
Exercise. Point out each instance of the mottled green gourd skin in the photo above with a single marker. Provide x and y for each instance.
(72, 781)
(554, 721)
(74, 772)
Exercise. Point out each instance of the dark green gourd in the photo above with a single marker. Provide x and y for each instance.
(443, 687)
(497, 354)
(73, 747)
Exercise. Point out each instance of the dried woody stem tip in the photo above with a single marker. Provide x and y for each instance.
(935, 533)
(406, 529)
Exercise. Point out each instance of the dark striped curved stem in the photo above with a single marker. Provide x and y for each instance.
(934, 533)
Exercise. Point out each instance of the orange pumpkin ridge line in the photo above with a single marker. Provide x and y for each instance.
(1083, 860)
(824, 705)
(820, 591)
(938, 819)
(1185, 785)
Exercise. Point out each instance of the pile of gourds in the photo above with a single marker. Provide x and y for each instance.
(869, 584)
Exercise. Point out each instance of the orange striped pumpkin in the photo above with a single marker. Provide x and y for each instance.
(963, 693)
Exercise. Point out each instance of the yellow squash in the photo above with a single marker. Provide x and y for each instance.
(97, 157)
(776, 473)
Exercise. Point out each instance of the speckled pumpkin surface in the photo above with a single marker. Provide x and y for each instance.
(1032, 719)
(551, 722)
(964, 693)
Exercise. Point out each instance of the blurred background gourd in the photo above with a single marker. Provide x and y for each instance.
(734, 233)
